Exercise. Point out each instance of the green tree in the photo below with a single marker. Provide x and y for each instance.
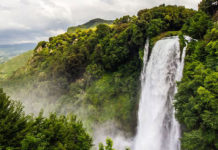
(14, 124)
(124, 19)
(156, 26)
(57, 132)
(208, 6)
(196, 101)
(24, 132)
(102, 30)
(198, 25)
(108, 146)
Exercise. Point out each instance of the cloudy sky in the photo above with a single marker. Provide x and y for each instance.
(25, 21)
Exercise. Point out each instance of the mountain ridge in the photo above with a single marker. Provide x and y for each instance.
(90, 24)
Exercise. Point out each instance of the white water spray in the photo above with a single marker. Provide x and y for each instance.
(157, 126)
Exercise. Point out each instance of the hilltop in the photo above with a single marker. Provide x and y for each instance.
(90, 24)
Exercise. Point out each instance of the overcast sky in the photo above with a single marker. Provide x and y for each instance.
(24, 21)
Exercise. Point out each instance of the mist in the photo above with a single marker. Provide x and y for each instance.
(42, 96)
(111, 130)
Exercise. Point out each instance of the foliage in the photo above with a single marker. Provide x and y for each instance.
(197, 95)
(155, 27)
(104, 97)
(109, 145)
(198, 25)
(160, 36)
(112, 93)
(57, 133)
(122, 20)
(172, 18)
(208, 6)
(14, 124)
(108, 46)
(102, 30)
(25, 132)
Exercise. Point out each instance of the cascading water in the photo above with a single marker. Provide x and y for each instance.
(157, 126)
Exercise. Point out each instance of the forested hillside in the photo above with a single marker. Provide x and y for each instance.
(98, 69)
(197, 98)
(94, 73)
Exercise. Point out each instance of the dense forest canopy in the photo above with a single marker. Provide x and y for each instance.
(208, 6)
(98, 69)
(197, 97)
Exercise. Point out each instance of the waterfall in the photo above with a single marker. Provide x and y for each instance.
(157, 127)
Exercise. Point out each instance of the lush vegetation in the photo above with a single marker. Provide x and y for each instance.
(19, 131)
(94, 73)
(208, 6)
(108, 146)
(197, 97)
(90, 24)
(97, 69)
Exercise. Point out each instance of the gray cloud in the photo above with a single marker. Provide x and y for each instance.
(33, 20)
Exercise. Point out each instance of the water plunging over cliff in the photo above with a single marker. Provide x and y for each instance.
(157, 126)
